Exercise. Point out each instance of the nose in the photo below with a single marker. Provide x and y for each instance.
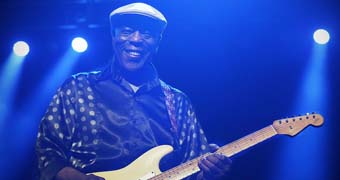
(136, 37)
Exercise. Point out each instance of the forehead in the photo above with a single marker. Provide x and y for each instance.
(136, 22)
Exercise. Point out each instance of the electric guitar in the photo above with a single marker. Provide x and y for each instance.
(146, 167)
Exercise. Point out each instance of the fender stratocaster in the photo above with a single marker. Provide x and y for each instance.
(146, 167)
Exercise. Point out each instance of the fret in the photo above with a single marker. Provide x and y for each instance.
(191, 167)
(247, 141)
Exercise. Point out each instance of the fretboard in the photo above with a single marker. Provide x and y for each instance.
(188, 168)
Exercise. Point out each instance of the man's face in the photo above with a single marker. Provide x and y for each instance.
(134, 46)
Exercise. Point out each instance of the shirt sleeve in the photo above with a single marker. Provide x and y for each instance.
(55, 133)
(192, 140)
(191, 137)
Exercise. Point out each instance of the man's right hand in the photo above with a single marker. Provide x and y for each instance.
(68, 173)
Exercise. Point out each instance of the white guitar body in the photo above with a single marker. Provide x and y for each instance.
(144, 167)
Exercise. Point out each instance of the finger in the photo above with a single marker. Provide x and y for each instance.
(212, 170)
(226, 161)
(202, 166)
(207, 174)
(218, 160)
(221, 164)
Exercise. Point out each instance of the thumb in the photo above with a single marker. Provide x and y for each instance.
(213, 147)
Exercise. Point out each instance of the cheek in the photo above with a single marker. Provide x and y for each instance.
(153, 45)
(117, 42)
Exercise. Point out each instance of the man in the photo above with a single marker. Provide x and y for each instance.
(102, 121)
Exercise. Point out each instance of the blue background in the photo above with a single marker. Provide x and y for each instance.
(243, 63)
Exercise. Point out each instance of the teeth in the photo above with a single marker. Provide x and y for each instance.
(134, 53)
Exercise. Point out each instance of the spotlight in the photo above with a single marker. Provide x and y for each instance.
(21, 48)
(79, 44)
(321, 36)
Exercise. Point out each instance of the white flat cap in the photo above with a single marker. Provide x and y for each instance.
(140, 9)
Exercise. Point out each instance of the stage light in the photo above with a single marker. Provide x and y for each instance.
(21, 48)
(79, 44)
(321, 36)
(313, 96)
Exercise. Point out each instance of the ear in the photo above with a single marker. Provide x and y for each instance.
(158, 42)
(113, 38)
(113, 33)
(160, 38)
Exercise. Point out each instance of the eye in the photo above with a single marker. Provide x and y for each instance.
(125, 31)
(148, 34)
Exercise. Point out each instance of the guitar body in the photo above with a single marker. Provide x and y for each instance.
(144, 167)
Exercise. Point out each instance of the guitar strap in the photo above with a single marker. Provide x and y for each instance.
(169, 102)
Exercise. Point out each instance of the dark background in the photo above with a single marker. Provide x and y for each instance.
(241, 62)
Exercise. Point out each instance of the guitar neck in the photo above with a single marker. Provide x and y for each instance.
(247, 141)
(191, 167)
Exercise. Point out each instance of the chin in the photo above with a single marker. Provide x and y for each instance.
(133, 67)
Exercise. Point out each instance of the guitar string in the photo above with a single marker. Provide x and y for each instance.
(262, 133)
(248, 141)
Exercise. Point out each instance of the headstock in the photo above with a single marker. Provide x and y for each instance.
(292, 126)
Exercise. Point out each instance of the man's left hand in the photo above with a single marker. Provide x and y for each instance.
(214, 166)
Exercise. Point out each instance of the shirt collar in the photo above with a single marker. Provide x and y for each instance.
(112, 71)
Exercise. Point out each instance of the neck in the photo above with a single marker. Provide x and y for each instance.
(140, 76)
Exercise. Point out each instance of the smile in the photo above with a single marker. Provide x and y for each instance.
(133, 54)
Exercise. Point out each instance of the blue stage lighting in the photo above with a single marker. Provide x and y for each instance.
(321, 36)
(79, 44)
(21, 48)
